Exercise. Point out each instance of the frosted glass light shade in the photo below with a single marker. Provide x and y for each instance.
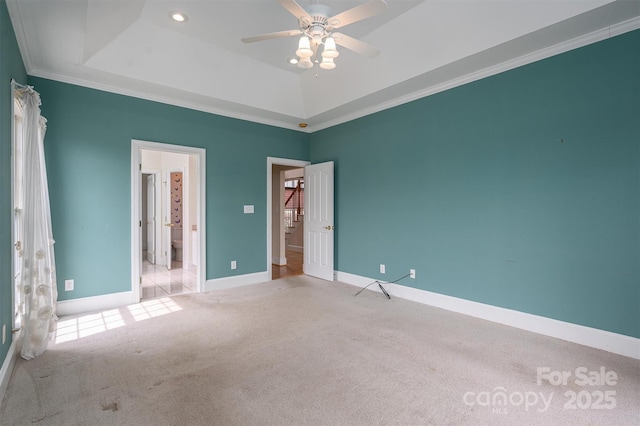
(305, 63)
(327, 63)
(330, 48)
(304, 48)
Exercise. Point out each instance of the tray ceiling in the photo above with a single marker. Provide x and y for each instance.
(133, 47)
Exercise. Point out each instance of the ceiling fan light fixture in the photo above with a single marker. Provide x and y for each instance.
(304, 48)
(316, 24)
(330, 50)
(327, 63)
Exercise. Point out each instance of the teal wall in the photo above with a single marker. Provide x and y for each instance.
(88, 151)
(474, 188)
(11, 66)
(471, 187)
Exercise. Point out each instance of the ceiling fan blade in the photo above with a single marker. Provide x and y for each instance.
(356, 45)
(358, 13)
(269, 36)
(295, 9)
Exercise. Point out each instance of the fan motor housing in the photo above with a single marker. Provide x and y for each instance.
(319, 17)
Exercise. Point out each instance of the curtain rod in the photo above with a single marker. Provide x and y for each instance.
(16, 84)
(20, 89)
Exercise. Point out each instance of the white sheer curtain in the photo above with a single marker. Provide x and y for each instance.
(37, 285)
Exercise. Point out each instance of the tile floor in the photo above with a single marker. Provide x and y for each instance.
(157, 281)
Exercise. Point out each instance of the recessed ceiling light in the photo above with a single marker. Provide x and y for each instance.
(292, 61)
(178, 16)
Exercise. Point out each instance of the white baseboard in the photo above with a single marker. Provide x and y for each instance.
(7, 365)
(280, 261)
(236, 281)
(297, 249)
(593, 337)
(94, 303)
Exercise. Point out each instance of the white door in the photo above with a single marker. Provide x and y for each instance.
(167, 220)
(150, 220)
(318, 220)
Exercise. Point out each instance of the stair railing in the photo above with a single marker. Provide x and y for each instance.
(293, 206)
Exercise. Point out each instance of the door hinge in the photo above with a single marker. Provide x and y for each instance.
(139, 166)
(140, 280)
(140, 224)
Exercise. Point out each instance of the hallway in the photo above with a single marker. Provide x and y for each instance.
(292, 268)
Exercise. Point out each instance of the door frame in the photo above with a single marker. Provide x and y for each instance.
(136, 231)
(275, 161)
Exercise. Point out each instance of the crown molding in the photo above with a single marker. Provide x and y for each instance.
(575, 43)
(325, 120)
(13, 6)
(173, 100)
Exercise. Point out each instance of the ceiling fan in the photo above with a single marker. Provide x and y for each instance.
(316, 25)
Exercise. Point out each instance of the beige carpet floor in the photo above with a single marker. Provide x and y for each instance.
(302, 351)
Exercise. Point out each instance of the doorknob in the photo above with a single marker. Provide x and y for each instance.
(329, 228)
(168, 224)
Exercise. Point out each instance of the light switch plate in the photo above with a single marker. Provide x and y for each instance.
(248, 209)
(68, 285)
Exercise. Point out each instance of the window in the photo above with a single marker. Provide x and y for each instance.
(18, 205)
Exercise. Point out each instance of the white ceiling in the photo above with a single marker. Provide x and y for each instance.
(133, 47)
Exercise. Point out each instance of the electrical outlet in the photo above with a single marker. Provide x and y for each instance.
(382, 268)
(412, 273)
(68, 285)
(234, 264)
(4, 333)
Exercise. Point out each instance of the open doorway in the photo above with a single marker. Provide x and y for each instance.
(292, 212)
(167, 220)
(285, 212)
(168, 268)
